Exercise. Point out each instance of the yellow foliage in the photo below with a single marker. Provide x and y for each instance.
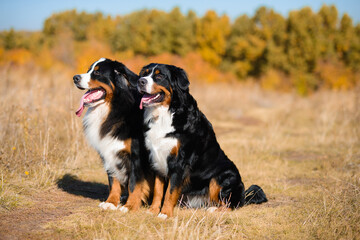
(256, 49)
(45, 59)
(336, 75)
(167, 58)
(16, 56)
(196, 67)
(304, 83)
(128, 54)
(210, 55)
(211, 34)
(89, 52)
(242, 68)
(271, 80)
(200, 70)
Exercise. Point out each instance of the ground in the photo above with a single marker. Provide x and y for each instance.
(303, 151)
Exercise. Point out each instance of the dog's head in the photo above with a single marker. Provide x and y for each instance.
(159, 82)
(103, 79)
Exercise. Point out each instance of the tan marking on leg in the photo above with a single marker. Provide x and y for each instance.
(214, 190)
(170, 201)
(115, 192)
(134, 199)
(147, 189)
(158, 195)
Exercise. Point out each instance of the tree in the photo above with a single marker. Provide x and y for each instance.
(133, 32)
(302, 46)
(10, 39)
(181, 31)
(80, 25)
(271, 28)
(348, 42)
(211, 34)
(326, 36)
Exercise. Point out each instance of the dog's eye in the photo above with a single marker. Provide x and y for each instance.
(158, 77)
(96, 72)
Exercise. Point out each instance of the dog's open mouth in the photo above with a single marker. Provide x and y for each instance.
(149, 99)
(91, 96)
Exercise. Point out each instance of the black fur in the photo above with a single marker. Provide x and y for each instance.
(200, 158)
(254, 194)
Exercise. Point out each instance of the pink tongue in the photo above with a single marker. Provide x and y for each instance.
(90, 95)
(81, 108)
(145, 98)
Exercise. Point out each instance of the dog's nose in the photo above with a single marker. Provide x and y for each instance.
(77, 78)
(142, 82)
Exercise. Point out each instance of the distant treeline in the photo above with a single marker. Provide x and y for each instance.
(306, 50)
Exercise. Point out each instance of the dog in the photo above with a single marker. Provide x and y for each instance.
(113, 127)
(183, 147)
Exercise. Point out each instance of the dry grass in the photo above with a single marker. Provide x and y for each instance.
(304, 152)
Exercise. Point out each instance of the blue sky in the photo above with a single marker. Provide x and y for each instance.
(30, 14)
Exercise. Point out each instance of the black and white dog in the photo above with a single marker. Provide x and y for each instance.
(113, 126)
(183, 146)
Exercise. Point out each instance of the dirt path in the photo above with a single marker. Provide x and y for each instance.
(50, 205)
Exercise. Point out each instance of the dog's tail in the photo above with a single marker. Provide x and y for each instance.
(255, 195)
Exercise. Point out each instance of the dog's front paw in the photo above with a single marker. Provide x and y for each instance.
(153, 210)
(124, 209)
(107, 205)
(212, 209)
(162, 216)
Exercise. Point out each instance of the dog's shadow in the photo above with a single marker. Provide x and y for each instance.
(73, 185)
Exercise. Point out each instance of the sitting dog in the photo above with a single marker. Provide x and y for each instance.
(183, 147)
(113, 126)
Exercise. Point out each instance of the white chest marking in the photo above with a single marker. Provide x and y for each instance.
(156, 141)
(108, 146)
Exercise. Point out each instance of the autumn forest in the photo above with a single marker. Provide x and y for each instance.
(304, 51)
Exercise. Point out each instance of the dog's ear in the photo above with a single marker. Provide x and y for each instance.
(122, 72)
(131, 77)
(180, 77)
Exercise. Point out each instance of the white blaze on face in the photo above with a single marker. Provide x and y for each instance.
(86, 77)
(150, 81)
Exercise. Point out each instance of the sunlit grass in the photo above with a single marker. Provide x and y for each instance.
(304, 152)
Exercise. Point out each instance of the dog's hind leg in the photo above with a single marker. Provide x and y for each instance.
(232, 193)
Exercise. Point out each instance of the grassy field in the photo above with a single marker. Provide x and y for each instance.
(304, 152)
